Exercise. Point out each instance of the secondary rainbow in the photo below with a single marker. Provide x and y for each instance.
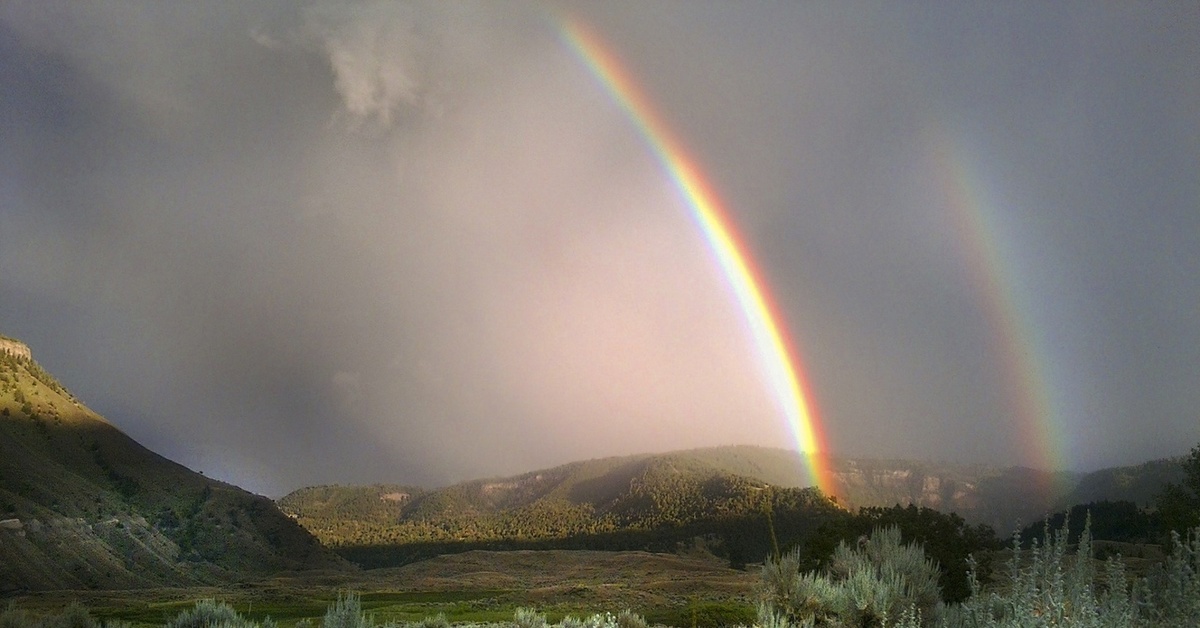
(1015, 340)
(781, 365)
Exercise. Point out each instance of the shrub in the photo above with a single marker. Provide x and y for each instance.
(1048, 588)
(346, 612)
(528, 618)
(630, 619)
(863, 585)
(75, 615)
(1172, 592)
(437, 621)
(571, 622)
(13, 617)
(207, 614)
(212, 614)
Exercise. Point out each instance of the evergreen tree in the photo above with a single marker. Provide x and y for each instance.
(1179, 504)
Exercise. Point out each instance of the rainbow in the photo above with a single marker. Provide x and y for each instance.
(1015, 341)
(781, 365)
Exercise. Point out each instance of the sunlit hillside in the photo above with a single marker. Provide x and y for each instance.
(84, 506)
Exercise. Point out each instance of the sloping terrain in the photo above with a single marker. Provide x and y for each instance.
(84, 506)
(646, 492)
(1139, 484)
(621, 503)
(594, 496)
(1001, 497)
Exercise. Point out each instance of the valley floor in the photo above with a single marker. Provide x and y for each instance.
(472, 586)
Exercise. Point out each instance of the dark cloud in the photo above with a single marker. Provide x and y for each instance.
(371, 241)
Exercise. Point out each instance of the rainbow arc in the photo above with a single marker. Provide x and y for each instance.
(782, 366)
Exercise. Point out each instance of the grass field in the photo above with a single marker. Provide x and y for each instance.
(475, 586)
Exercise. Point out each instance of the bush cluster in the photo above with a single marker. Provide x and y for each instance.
(885, 583)
(345, 612)
(878, 581)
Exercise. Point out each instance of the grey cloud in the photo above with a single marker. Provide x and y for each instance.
(418, 242)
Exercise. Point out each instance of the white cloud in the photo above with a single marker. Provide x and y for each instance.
(375, 51)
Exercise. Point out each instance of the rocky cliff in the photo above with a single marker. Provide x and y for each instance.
(1004, 498)
(15, 348)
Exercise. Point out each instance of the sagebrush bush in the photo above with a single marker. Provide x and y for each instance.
(865, 585)
(1171, 595)
(571, 622)
(437, 621)
(13, 617)
(630, 619)
(528, 618)
(74, 615)
(209, 613)
(346, 612)
(1048, 588)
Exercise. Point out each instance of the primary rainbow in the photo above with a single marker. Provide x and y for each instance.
(780, 364)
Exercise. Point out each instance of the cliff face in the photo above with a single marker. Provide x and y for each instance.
(15, 348)
(949, 494)
(1003, 498)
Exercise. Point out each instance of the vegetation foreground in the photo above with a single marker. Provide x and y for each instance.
(877, 581)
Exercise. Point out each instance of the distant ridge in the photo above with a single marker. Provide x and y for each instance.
(644, 502)
(84, 506)
(640, 492)
(1139, 484)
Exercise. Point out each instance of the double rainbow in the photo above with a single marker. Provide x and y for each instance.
(781, 365)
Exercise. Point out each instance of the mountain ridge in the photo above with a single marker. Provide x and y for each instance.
(82, 505)
(607, 489)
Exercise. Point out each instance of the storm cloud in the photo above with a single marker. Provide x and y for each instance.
(418, 242)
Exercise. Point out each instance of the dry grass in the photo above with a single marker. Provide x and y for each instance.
(470, 586)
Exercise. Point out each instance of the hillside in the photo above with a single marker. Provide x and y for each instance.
(1001, 497)
(602, 495)
(1139, 484)
(630, 502)
(84, 506)
(614, 502)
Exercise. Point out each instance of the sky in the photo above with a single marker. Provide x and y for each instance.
(290, 243)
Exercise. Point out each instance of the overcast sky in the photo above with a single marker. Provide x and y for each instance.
(297, 243)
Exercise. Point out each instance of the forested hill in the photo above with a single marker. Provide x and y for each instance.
(687, 489)
(603, 486)
(84, 506)
(647, 490)
(633, 502)
(1139, 484)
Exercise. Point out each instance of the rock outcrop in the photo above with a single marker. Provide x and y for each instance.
(15, 347)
